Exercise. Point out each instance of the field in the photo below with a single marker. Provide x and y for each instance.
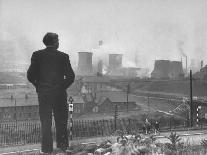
(154, 100)
(165, 87)
(147, 105)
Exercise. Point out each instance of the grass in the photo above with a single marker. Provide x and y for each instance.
(20, 148)
(138, 144)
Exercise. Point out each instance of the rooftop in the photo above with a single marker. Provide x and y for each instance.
(96, 79)
(30, 101)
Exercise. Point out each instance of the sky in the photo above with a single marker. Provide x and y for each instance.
(148, 29)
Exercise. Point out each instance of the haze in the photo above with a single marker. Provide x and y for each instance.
(149, 29)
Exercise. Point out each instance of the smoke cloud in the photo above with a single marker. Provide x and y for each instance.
(153, 30)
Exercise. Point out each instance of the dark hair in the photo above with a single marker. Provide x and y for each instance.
(50, 38)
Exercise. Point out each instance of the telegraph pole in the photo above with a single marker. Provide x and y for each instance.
(148, 104)
(191, 100)
(15, 104)
(127, 97)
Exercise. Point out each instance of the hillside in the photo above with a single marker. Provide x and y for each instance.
(166, 87)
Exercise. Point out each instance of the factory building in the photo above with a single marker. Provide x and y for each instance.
(165, 69)
(85, 63)
(116, 69)
(202, 74)
(131, 71)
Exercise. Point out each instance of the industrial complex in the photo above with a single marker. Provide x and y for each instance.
(163, 69)
(100, 86)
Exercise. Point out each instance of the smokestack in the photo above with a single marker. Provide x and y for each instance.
(186, 64)
(115, 61)
(85, 63)
(201, 63)
(180, 47)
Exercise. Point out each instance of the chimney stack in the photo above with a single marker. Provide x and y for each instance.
(201, 63)
(186, 64)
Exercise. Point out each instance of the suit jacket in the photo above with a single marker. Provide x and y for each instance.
(50, 71)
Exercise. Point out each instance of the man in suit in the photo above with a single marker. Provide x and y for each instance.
(51, 74)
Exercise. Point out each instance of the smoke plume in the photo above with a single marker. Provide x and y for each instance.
(153, 30)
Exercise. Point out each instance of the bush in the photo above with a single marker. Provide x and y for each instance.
(204, 143)
(174, 142)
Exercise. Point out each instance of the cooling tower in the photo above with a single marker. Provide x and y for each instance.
(85, 63)
(161, 69)
(115, 61)
(176, 70)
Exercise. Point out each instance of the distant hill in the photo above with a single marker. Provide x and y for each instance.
(177, 87)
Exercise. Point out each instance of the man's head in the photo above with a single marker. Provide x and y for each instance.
(51, 40)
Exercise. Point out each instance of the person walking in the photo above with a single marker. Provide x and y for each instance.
(157, 127)
(51, 73)
(148, 126)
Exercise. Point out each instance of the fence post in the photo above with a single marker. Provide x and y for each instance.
(107, 126)
(129, 130)
(74, 129)
(97, 127)
(115, 116)
(111, 126)
(102, 126)
(82, 128)
(89, 125)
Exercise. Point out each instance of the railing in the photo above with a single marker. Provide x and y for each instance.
(21, 133)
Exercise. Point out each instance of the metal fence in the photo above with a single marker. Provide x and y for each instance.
(20, 133)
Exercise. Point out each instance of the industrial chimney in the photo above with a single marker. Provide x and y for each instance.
(201, 63)
(115, 61)
(85, 63)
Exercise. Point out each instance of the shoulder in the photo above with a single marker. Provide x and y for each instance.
(63, 54)
(37, 52)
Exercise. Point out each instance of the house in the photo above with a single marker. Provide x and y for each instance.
(27, 108)
(106, 101)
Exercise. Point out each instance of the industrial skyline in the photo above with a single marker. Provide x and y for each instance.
(151, 30)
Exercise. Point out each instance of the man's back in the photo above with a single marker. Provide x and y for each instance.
(51, 70)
